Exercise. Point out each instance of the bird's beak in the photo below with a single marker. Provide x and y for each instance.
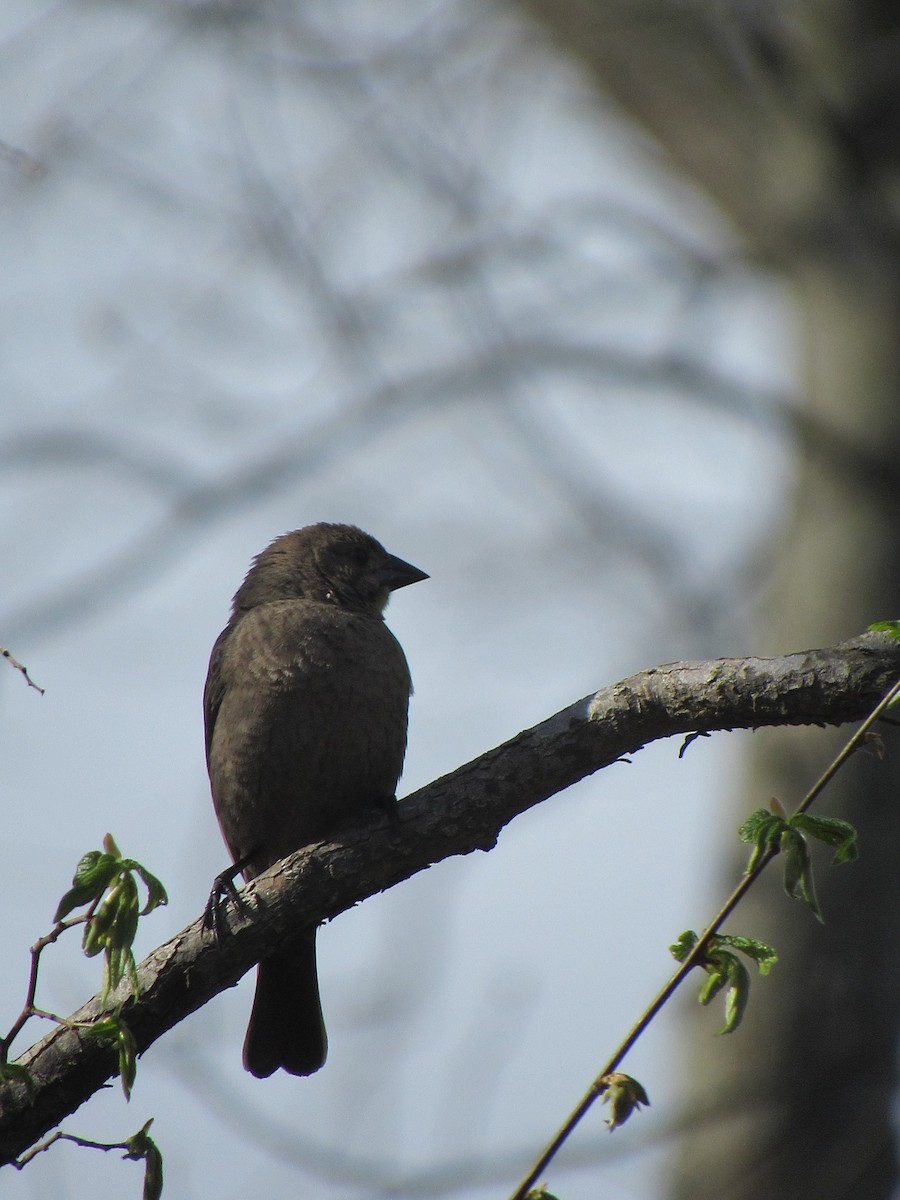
(397, 574)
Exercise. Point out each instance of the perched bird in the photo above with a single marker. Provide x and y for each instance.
(305, 710)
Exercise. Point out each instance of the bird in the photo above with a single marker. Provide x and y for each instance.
(305, 713)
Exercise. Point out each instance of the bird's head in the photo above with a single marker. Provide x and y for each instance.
(335, 564)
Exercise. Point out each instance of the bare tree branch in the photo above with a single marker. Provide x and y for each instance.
(14, 662)
(461, 812)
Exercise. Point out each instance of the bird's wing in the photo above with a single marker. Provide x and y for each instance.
(214, 691)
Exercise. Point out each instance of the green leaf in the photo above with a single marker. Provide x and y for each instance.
(113, 971)
(112, 926)
(724, 969)
(119, 962)
(796, 859)
(684, 945)
(798, 876)
(737, 995)
(764, 829)
(712, 985)
(891, 628)
(157, 895)
(763, 955)
(136, 1146)
(105, 1027)
(73, 898)
(127, 1048)
(95, 869)
(128, 911)
(153, 1175)
(123, 901)
(92, 876)
(757, 822)
(831, 830)
(113, 1029)
(142, 1146)
(96, 930)
(624, 1096)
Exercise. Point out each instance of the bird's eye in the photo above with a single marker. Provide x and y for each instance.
(350, 553)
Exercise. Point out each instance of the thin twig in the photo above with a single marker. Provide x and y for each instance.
(14, 662)
(28, 1008)
(598, 1086)
(60, 1136)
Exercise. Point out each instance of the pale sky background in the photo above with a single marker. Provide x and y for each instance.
(288, 263)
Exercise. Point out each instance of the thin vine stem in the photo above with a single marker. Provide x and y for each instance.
(14, 662)
(29, 1008)
(61, 1136)
(599, 1084)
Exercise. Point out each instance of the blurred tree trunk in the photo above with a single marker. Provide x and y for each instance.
(789, 116)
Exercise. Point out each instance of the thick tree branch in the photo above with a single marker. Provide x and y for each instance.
(461, 812)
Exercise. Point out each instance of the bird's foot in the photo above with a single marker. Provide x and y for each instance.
(223, 890)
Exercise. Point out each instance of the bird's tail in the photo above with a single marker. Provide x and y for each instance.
(286, 1028)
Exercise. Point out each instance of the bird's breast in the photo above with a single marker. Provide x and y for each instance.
(312, 724)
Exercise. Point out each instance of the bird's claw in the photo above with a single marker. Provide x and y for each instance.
(223, 890)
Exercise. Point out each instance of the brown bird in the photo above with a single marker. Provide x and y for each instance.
(305, 709)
